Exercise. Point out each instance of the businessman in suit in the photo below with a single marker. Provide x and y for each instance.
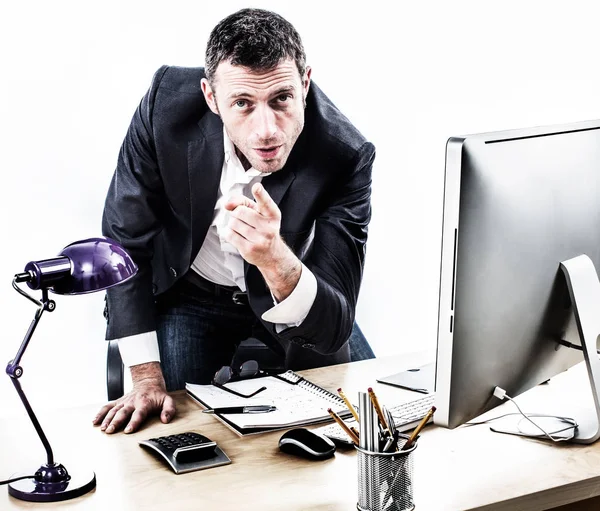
(243, 194)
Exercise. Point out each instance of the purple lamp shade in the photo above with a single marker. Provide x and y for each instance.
(82, 267)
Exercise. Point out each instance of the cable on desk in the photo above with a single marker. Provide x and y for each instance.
(7, 481)
(571, 423)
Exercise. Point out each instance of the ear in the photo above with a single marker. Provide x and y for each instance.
(306, 80)
(209, 95)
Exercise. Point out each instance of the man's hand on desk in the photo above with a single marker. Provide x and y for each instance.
(147, 397)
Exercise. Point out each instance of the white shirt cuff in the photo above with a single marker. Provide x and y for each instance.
(139, 349)
(293, 310)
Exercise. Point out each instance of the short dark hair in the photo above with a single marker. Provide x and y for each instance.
(253, 38)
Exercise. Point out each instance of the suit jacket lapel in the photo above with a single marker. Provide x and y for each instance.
(277, 183)
(205, 163)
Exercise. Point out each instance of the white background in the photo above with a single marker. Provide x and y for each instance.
(408, 74)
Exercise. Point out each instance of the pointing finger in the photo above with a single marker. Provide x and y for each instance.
(265, 203)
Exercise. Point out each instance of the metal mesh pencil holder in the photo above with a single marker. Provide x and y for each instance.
(385, 480)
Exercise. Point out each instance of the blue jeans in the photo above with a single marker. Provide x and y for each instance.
(198, 333)
(360, 349)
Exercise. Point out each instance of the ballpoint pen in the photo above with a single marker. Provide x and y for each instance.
(242, 409)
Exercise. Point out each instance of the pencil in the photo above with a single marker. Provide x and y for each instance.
(378, 409)
(418, 429)
(348, 404)
(344, 426)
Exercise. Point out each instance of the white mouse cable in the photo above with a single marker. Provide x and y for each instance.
(500, 393)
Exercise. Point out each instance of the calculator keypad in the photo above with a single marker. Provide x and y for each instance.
(187, 451)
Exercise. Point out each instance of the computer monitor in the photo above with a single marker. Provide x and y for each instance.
(517, 204)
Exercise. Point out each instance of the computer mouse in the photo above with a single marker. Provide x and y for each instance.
(306, 444)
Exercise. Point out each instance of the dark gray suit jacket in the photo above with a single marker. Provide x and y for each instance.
(161, 199)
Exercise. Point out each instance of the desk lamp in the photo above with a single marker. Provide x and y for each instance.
(82, 267)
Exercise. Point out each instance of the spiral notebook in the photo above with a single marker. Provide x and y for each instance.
(298, 401)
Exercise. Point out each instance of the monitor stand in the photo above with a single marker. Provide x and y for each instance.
(584, 289)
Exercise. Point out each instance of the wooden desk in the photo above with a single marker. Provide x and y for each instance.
(463, 469)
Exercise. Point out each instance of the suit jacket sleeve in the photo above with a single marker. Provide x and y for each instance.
(337, 259)
(132, 217)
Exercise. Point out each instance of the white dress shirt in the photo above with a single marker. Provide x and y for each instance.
(218, 261)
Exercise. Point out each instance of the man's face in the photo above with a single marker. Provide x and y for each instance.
(263, 112)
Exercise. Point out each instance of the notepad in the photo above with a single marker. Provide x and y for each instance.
(299, 402)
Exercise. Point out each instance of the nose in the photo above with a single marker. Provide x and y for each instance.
(265, 122)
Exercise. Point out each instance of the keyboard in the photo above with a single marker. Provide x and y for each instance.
(406, 417)
(186, 452)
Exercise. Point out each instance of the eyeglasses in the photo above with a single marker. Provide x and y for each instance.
(226, 374)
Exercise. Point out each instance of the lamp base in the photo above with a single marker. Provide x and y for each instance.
(53, 484)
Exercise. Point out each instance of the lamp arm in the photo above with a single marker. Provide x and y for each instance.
(43, 305)
(15, 371)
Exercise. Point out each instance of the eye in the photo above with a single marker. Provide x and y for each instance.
(241, 104)
(282, 98)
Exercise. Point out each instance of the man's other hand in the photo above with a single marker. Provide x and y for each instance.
(148, 397)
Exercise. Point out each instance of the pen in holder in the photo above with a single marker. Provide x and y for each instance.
(385, 479)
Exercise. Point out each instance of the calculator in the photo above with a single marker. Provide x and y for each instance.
(186, 452)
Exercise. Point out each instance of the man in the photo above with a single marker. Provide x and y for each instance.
(243, 195)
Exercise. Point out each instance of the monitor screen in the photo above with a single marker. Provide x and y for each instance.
(516, 204)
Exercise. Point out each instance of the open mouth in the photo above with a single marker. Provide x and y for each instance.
(267, 152)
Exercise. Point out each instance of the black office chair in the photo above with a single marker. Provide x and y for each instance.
(114, 372)
(249, 349)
